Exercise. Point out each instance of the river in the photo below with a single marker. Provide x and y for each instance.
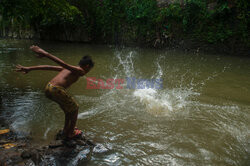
(200, 115)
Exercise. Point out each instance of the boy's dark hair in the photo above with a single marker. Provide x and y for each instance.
(86, 60)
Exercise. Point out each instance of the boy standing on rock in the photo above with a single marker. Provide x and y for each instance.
(56, 88)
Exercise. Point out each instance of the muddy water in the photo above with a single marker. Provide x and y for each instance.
(200, 116)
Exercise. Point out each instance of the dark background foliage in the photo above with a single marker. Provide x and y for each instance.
(124, 21)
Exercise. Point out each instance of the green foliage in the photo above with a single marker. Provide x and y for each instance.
(135, 20)
(226, 21)
(111, 20)
(171, 19)
(141, 15)
(109, 17)
(18, 14)
(59, 13)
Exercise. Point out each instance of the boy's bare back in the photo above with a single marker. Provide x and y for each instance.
(65, 78)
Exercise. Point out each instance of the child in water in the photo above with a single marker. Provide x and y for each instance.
(56, 88)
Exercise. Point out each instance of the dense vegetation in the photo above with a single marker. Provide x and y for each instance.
(125, 21)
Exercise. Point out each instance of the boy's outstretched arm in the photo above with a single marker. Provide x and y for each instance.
(42, 53)
(25, 70)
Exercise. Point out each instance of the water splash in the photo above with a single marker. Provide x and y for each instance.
(126, 61)
(46, 133)
(162, 103)
(158, 102)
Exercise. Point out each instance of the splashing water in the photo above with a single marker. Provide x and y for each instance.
(165, 102)
(155, 105)
(158, 102)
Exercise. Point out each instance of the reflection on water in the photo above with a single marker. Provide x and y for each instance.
(200, 117)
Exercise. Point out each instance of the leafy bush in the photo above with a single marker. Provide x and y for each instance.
(40, 14)
(136, 20)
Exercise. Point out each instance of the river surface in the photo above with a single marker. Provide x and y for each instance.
(200, 115)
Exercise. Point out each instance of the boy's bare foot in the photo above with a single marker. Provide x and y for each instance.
(76, 134)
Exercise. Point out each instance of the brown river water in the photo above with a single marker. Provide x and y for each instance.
(200, 116)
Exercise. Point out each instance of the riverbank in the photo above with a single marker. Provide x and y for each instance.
(18, 150)
(186, 45)
(213, 27)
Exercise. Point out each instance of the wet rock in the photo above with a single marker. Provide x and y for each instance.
(90, 143)
(16, 159)
(81, 142)
(70, 143)
(21, 145)
(26, 155)
(29, 163)
(59, 135)
(36, 157)
(72, 152)
(56, 144)
(59, 152)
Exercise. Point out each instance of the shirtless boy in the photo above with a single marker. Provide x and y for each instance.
(56, 88)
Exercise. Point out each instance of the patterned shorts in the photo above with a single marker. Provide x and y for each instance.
(60, 96)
